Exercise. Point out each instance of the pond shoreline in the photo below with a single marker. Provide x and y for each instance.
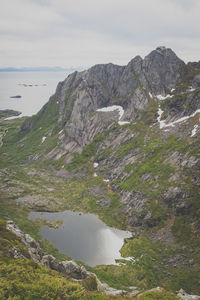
(83, 237)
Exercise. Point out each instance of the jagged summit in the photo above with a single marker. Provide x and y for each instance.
(161, 48)
(79, 96)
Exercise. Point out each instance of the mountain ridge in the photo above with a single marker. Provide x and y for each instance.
(108, 84)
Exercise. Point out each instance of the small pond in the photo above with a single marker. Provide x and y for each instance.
(83, 237)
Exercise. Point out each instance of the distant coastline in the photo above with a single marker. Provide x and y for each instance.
(41, 69)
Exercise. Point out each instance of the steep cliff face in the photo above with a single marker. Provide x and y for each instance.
(79, 96)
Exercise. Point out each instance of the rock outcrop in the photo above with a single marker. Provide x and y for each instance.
(183, 295)
(70, 268)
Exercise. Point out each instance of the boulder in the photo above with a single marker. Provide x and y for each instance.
(73, 270)
(183, 295)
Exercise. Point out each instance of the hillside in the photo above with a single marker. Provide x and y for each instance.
(121, 142)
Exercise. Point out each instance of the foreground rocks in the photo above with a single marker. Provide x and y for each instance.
(77, 272)
(68, 268)
(183, 295)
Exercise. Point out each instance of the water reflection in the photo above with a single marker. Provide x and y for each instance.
(83, 237)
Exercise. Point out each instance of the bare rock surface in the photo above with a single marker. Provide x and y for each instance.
(183, 295)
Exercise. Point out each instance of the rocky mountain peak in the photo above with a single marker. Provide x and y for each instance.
(163, 69)
(81, 94)
(161, 48)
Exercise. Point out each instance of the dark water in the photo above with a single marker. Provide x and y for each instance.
(83, 237)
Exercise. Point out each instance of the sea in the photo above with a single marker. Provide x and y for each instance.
(35, 89)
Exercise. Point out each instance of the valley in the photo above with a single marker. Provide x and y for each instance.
(137, 170)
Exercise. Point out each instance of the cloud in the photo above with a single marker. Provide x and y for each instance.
(74, 33)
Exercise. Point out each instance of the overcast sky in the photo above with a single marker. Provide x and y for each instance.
(72, 33)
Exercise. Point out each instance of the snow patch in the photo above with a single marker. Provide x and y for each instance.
(43, 139)
(194, 131)
(113, 108)
(60, 131)
(12, 118)
(160, 97)
(183, 119)
(191, 89)
(106, 180)
(95, 165)
(130, 258)
(123, 122)
(150, 94)
(160, 112)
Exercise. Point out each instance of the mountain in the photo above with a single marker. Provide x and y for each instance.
(122, 142)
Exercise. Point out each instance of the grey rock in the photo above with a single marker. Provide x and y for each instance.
(174, 197)
(133, 294)
(196, 81)
(100, 194)
(73, 270)
(179, 107)
(33, 247)
(182, 160)
(134, 203)
(14, 253)
(191, 261)
(50, 261)
(65, 174)
(183, 295)
(176, 260)
(146, 177)
(182, 208)
(30, 241)
(107, 290)
(135, 199)
(162, 69)
(157, 268)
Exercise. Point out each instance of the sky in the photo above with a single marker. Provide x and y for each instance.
(81, 33)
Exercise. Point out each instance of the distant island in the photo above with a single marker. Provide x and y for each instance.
(17, 96)
(7, 113)
(41, 69)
